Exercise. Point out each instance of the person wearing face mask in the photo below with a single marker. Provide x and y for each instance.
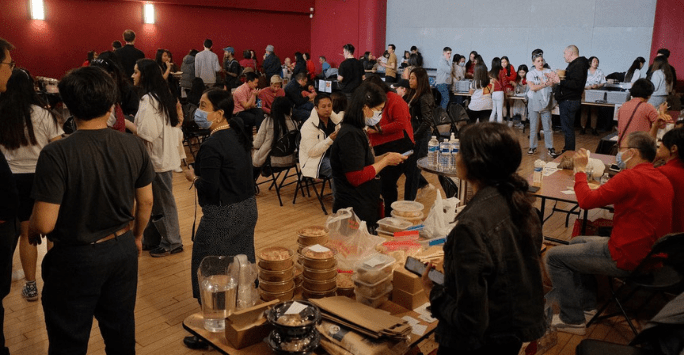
(354, 168)
(642, 197)
(223, 178)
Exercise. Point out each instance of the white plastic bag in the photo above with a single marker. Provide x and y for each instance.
(440, 220)
(349, 236)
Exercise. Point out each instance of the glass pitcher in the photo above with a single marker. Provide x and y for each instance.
(218, 286)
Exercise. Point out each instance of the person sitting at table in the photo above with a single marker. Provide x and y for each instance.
(673, 169)
(267, 95)
(247, 60)
(300, 64)
(302, 104)
(492, 298)
(595, 80)
(245, 102)
(636, 114)
(634, 72)
(354, 167)
(642, 197)
(318, 134)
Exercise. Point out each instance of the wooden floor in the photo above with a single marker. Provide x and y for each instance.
(164, 293)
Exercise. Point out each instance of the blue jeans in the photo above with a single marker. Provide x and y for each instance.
(546, 124)
(326, 170)
(568, 110)
(163, 228)
(444, 90)
(572, 269)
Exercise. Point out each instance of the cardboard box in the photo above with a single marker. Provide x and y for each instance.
(248, 326)
(409, 300)
(406, 281)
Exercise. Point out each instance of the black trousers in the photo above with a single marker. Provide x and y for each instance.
(251, 118)
(9, 234)
(83, 281)
(483, 115)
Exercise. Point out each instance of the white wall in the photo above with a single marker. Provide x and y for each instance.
(615, 31)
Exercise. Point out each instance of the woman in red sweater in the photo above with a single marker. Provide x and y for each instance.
(672, 151)
(509, 76)
(393, 133)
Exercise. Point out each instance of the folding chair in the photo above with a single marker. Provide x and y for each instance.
(306, 182)
(459, 116)
(443, 123)
(661, 270)
(284, 147)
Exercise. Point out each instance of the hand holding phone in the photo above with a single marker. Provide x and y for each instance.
(407, 153)
(417, 267)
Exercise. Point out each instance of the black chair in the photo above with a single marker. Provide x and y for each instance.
(662, 270)
(284, 147)
(458, 115)
(306, 182)
(443, 123)
(448, 185)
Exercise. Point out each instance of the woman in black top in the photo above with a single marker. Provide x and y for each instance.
(351, 157)
(492, 298)
(421, 105)
(225, 187)
(300, 64)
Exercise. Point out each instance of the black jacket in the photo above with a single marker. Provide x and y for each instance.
(422, 114)
(128, 55)
(575, 78)
(272, 66)
(493, 284)
(293, 91)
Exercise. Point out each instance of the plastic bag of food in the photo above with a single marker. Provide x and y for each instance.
(349, 237)
(440, 220)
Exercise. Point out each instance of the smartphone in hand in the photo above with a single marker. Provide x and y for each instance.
(407, 153)
(417, 267)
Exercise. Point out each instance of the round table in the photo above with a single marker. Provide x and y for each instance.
(462, 184)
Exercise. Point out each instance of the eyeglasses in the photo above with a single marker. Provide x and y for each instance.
(11, 64)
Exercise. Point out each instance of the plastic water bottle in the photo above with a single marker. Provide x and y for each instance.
(455, 146)
(433, 152)
(538, 173)
(605, 178)
(445, 155)
(258, 103)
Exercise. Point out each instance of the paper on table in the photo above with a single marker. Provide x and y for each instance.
(411, 321)
(374, 261)
(552, 165)
(419, 329)
(548, 171)
(318, 248)
(296, 308)
(424, 313)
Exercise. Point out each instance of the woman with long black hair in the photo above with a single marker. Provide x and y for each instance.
(271, 130)
(421, 106)
(634, 72)
(27, 126)
(225, 188)
(351, 157)
(156, 120)
(492, 299)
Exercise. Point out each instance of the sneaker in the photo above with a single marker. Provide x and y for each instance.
(559, 325)
(553, 154)
(30, 291)
(531, 151)
(588, 315)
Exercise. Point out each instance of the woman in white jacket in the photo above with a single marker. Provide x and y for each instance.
(318, 133)
(271, 130)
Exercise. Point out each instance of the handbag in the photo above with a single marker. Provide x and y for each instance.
(616, 147)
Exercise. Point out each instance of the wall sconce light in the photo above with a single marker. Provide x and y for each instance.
(148, 11)
(311, 10)
(37, 10)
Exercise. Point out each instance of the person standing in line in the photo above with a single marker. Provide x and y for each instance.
(128, 55)
(444, 76)
(28, 126)
(9, 203)
(156, 120)
(207, 64)
(92, 271)
(569, 92)
(391, 65)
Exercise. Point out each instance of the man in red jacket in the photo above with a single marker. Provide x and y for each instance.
(642, 197)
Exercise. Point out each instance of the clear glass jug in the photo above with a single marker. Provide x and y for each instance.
(218, 285)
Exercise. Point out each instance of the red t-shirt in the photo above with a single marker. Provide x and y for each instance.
(248, 63)
(674, 171)
(642, 197)
(643, 118)
(267, 96)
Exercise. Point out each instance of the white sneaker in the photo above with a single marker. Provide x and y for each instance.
(559, 325)
(588, 315)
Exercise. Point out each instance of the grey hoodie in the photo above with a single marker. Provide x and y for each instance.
(188, 69)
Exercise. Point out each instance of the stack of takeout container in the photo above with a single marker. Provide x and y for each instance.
(391, 225)
(276, 273)
(373, 280)
(319, 271)
(295, 327)
(311, 236)
(409, 211)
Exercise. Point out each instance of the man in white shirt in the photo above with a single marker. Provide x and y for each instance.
(443, 79)
(207, 64)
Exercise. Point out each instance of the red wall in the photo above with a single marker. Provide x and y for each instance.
(336, 23)
(668, 32)
(74, 27)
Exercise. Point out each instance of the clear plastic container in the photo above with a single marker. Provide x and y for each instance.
(409, 209)
(374, 302)
(374, 269)
(371, 290)
(415, 220)
(392, 224)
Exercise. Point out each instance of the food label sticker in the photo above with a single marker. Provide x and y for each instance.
(318, 248)
(374, 261)
(296, 308)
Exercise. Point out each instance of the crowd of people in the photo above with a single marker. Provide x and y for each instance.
(129, 111)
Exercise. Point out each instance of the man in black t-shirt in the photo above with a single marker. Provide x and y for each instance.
(232, 68)
(350, 72)
(84, 189)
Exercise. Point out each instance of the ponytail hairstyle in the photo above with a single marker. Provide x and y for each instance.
(636, 64)
(15, 110)
(281, 109)
(152, 82)
(492, 154)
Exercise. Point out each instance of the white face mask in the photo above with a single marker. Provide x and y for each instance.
(375, 119)
(462, 64)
